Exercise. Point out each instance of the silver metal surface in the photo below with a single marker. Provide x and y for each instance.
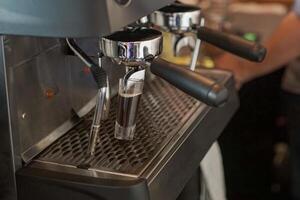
(71, 18)
(46, 91)
(28, 154)
(30, 84)
(182, 21)
(172, 171)
(137, 75)
(43, 94)
(196, 51)
(8, 162)
(131, 47)
(177, 18)
(106, 107)
(102, 97)
(175, 132)
(163, 111)
(98, 116)
(195, 55)
(182, 42)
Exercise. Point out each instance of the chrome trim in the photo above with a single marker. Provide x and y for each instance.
(131, 47)
(10, 161)
(177, 21)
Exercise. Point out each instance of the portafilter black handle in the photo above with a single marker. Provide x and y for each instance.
(236, 45)
(190, 82)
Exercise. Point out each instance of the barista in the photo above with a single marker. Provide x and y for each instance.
(283, 46)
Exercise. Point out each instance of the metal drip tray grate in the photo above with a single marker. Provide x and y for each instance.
(162, 113)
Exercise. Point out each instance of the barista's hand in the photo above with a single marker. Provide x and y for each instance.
(241, 69)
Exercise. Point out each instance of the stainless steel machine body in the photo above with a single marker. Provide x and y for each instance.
(37, 120)
(45, 92)
(72, 18)
(47, 97)
(171, 125)
(40, 85)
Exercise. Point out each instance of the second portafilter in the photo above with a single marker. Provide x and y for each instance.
(186, 21)
(183, 19)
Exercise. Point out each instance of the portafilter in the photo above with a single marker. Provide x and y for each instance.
(181, 19)
(140, 47)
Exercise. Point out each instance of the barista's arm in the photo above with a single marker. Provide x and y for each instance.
(283, 46)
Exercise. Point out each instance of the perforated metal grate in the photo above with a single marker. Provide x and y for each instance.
(163, 111)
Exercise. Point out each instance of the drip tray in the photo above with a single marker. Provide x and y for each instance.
(162, 113)
(174, 132)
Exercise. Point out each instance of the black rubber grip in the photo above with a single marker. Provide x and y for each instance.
(99, 75)
(192, 83)
(236, 45)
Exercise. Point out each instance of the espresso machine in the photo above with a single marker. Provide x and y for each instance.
(60, 66)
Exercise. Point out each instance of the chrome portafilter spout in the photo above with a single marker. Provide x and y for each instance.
(106, 107)
(102, 103)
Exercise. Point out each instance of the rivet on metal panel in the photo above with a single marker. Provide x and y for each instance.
(24, 115)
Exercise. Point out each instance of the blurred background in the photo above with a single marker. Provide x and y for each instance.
(255, 145)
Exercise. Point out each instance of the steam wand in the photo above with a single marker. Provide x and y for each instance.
(101, 79)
